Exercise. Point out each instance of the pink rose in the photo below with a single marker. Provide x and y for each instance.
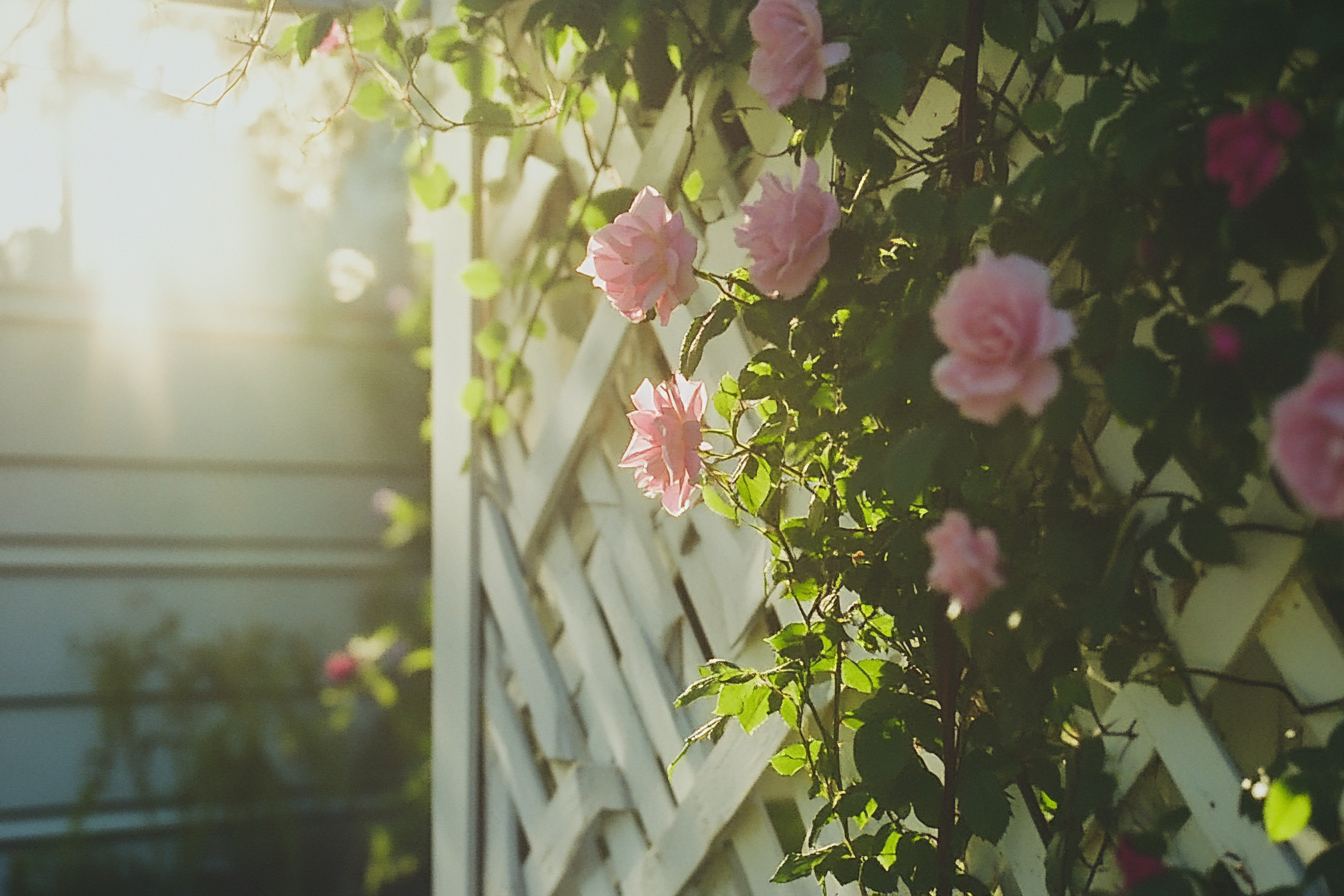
(790, 60)
(788, 232)
(965, 562)
(384, 501)
(335, 38)
(665, 448)
(1306, 441)
(339, 667)
(1246, 150)
(997, 320)
(1135, 866)
(643, 258)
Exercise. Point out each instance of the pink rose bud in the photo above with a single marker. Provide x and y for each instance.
(1306, 441)
(1246, 151)
(399, 298)
(965, 562)
(1136, 866)
(997, 319)
(790, 60)
(383, 501)
(1224, 343)
(643, 259)
(339, 667)
(788, 232)
(335, 38)
(665, 448)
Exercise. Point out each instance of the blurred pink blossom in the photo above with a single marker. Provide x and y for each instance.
(965, 562)
(1224, 343)
(665, 448)
(1136, 866)
(643, 259)
(790, 60)
(339, 667)
(1246, 150)
(383, 501)
(1306, 441)
(788, 232)
(997, 319)
(335, 39)
(399, 298)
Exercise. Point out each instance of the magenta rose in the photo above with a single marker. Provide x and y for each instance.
(339, 667)
(788, 232)
(790, 60)
(1245, 151)
(665, 448)
(965, 562)
(997, 319)
(1135, 866)
(1306, 441)
(645, 258)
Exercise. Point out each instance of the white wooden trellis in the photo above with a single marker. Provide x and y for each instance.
(569, 610)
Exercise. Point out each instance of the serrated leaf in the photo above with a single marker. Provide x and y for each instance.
(753, 484)
(371, 101)
(1287, 811)
(715, 501)
(863, 675)
(800, 865)
(482, 279)
(434, 188)
(704, 328)
(794, 758)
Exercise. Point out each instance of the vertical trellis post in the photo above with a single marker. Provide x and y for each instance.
(456, 714)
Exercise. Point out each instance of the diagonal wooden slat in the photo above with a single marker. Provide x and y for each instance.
(583, 794)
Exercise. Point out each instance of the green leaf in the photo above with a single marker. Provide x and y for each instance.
(482, 279)
(755, 708)
(366, 28)
(704, 328)
(715, 501)
(1287, 811)
(727, 398)
(442, 43)
(800, 865)
(1206, 537)
(1138, 383)
(285, 43)
(311, 32)
(880, 80)
(983, 803)
(863, 676)
(434, 188)
(693, 185)
(1041, 115)
(793, 758)
(491, 339)
(407, 9)
(473, 397)
(753, 484)
(909, 465)
(371, 100)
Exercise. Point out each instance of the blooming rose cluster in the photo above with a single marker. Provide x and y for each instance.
(1246, 150)
(997, 321)
(965, 562)
(1306, 442)
(788, 232)
(644, 259)
(665, 448)
(790, 59)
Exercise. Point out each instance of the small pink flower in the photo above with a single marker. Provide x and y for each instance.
(997, 320)
(1224, 343)
(1245, 151)
(383, 501)
(643, 259)
(965, 562)
(788, 232)
(1135, 866)
(665, 448)
(339, 667)
(335, 39)
(790, 60)
(1306, 441)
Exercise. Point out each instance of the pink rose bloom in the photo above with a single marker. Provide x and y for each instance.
(339, 667)
(965, 562)
(1306, 441)
(997, 320)
(1224, 343)
(643, 259)
(1136, 866)
(790, 60)
(788, 232)
(1245, 151)
(335, 38)
(665, 448)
